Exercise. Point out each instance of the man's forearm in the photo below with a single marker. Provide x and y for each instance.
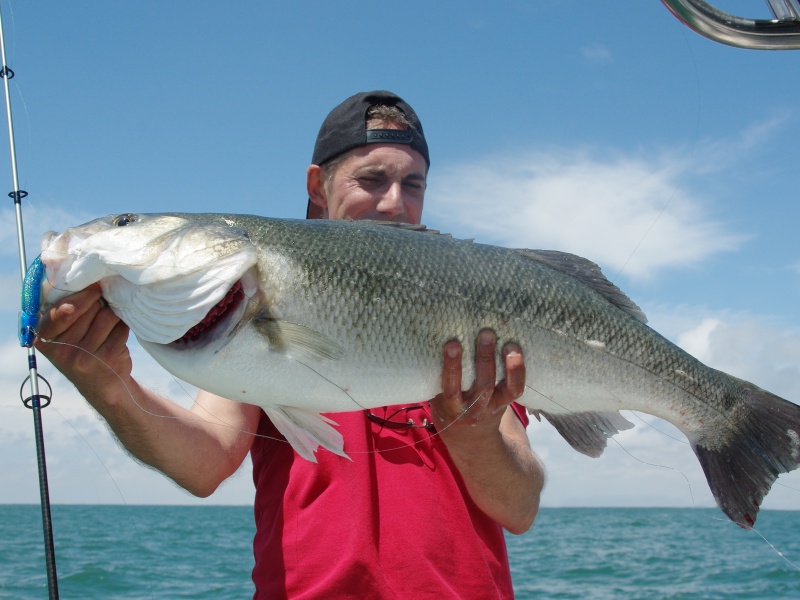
(502, 474)
(185, 445)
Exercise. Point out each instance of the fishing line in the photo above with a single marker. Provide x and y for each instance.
(634, 414)
(788, 487)
(658, 217)
(350, 396)
(774, 549)
(132, 520)
(681, 473)
(479, 397)
(341, 389)
(111, 477)
(693, 151)
(216, 419)
(218, 422)
(727, 523)
(34, 401)
(649, 464)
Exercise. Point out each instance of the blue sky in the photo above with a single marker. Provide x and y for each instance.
(604, 129)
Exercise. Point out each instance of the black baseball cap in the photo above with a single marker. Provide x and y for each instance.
(345, 128)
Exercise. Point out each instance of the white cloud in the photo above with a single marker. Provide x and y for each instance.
(638, 212)
(746, 346)
(697, 341)
(36, 220)
(597, 53)
(650, 465)
(621, 211)
(85, 463)
(596, 204)
(756, 348)
(712, 156)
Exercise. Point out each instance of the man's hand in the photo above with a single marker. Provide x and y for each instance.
(91, 349)
(483, 405)
(188, 446)
(484, 437)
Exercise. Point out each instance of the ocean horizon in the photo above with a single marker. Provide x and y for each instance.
(175, 551)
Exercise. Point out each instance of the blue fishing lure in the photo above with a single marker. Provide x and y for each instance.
(31, 301)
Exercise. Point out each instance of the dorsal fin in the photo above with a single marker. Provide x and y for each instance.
(587, 273)
(573, 265)
(413, 227)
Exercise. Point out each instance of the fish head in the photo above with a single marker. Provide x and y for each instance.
(166, 276)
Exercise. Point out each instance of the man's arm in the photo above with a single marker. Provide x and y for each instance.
(198, 448)
(486, 440)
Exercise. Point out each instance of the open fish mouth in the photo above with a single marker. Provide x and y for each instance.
(219, 319)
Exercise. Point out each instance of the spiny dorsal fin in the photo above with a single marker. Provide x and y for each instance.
(414, 227)
(587, 273)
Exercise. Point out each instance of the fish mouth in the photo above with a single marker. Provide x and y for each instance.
(218, 319)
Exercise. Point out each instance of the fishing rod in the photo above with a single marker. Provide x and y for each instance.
(36, 401)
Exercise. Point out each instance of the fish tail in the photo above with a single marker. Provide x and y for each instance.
(765, 443)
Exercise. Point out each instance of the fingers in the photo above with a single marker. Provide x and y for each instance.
(451, 373)
(104, 329)
(78, 309)
(515, 371)
(117, 341)
(84, 328)
(485, 394)
(484, 361)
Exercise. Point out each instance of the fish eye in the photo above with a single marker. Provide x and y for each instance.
(125, 219)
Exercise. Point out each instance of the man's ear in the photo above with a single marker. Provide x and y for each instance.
(316, 188)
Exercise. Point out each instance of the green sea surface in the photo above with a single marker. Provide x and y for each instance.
(137, 552)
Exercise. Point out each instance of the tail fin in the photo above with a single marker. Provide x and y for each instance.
(765, 443)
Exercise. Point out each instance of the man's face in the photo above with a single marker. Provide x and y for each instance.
(384, 182)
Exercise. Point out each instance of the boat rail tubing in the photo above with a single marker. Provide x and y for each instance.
(756, 34)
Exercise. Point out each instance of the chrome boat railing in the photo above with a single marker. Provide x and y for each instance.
(780, 33)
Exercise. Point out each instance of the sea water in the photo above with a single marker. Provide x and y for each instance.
(137, 552)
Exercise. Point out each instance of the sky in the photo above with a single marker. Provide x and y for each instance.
(605, 129)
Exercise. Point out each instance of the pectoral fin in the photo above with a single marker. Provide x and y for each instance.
(297, 341)
(587, 432)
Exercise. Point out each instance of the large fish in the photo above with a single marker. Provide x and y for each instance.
(303, 317)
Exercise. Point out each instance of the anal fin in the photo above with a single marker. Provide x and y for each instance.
(587, 432)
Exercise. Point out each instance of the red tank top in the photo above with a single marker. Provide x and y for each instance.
(396, 521)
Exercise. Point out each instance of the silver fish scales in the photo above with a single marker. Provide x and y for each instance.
(303, 317)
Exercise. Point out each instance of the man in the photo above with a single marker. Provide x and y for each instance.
(419, 510)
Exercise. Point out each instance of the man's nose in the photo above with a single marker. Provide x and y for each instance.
(392, 201)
